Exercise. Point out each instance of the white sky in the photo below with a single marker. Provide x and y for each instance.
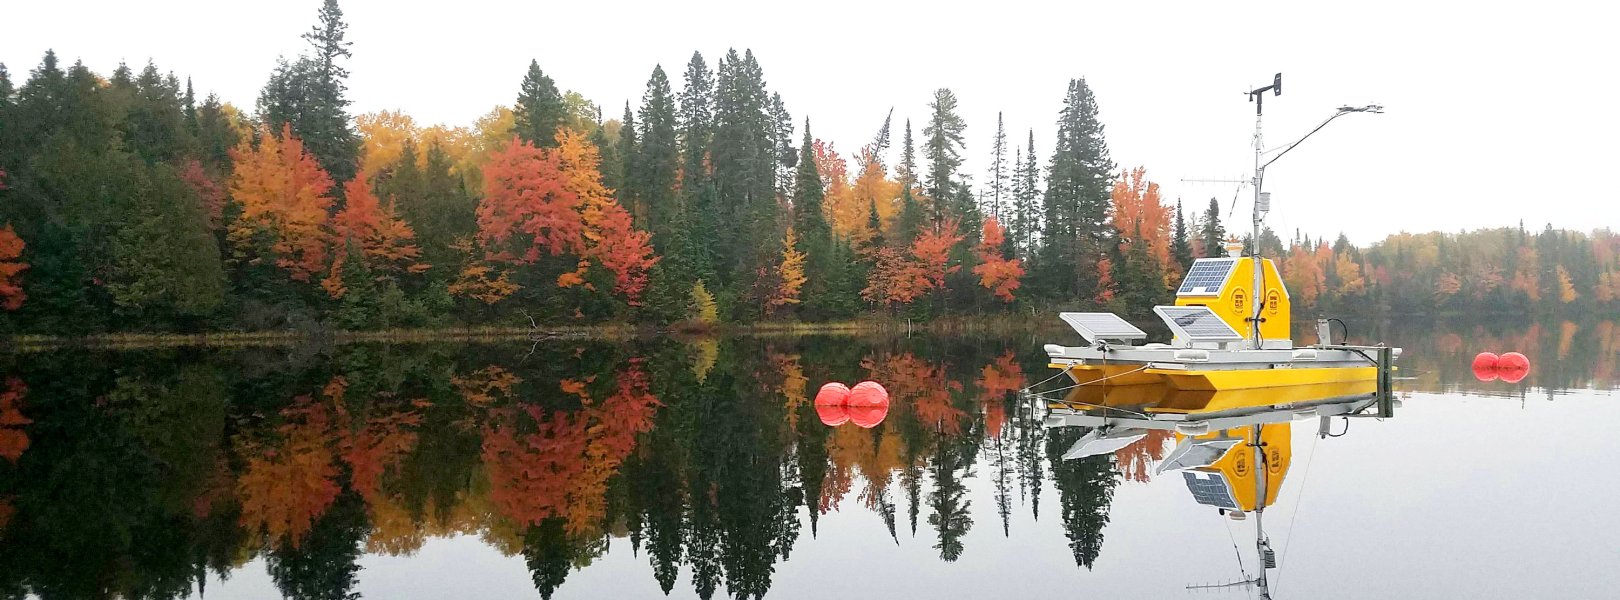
(1495, 114)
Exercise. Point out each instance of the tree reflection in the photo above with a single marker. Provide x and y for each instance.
(144, 476)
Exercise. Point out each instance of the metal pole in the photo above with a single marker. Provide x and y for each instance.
(1256, 295)
(1259, 511)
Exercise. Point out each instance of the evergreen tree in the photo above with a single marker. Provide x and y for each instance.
(657, 158)
(609, 162)
(1076, 233)
(1026, 203)
(815, 235)
(880, 142)
(630, 189)
(943, 147)
(786, 156)
(908, 160)
(539, 109)
(998, 169)
(910, 221)
(308, 94)
(215, 137)
(1085, 493)
(1180, 244)
(744, 173)
(696, 122)
(165, 266)
(1211, 232)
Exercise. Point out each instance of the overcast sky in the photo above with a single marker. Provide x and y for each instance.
(1494, 115)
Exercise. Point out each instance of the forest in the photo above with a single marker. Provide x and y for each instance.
(128, 203)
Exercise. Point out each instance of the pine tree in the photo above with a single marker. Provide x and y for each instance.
(943, 147)
(1180, 244)
(308, 94)
(998, 168)
(657, 157)
(1076, 233)
(908, 160)
(1211, 232)
(696, 134)
(539, 109)
(629, 192)
(744, 158)
(786, 155)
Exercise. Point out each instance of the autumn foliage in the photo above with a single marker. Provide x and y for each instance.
(900, 278)
(791, 272)
(284, 197)
(996, 272)
(11, 290)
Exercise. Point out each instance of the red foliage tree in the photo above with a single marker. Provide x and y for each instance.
(996, 272)
(11, 248)
(527, 207)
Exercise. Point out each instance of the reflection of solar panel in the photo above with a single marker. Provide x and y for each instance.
(1095, 326)
(1210, 489)
(1206, 277)
(1197, 323)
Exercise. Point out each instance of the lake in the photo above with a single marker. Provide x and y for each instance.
(699, 467)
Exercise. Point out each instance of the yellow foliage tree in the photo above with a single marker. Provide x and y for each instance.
(792, 273)
(382, 139)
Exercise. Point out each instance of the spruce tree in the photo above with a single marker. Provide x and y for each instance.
(1026, 222)
(744, 172)
(943, 147)
(786, 156)
(696, 134)
(610, 163)
(1180, 244)
(1211, 232)
(539, 109)
(815, 235)
(908, 160)
(998, 168)
(1077, 232)
(630, 176)
(308, 94)
(657, 158)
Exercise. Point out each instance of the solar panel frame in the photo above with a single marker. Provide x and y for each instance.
(1210, 489)
(1197, 323)
(1097, 326)
(1207, 276)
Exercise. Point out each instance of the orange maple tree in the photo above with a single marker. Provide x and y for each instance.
(1138, 207)
(527, 207)
(996, 272)
(283, 194)
(932, 250)
(610, 236)
(11, 248)
(385, 240)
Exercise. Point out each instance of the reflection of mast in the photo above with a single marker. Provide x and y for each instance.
(1262, 546)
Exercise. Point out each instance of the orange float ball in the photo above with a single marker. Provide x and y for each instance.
(1486, 366)
(868, 417)
(832, 394)
(1514, 367)
(832, 415)
(869, 394)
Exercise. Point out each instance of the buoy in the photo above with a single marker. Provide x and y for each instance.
(832, 394)
(1514, 367)
(832, 415)
(869, 394)
(868, 417)
(1486, 365)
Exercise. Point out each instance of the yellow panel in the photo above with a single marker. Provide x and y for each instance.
(1235, 304)
(1239, 464)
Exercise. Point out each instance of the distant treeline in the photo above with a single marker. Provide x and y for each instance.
(126, 203)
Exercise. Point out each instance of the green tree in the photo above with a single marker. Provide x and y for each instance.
(943, 148)
(1211, 232)
(539, 109)
(744, 171)
(309, 94)
(998, 170)
(658, 158)
(1076, 232)
(1180, 244)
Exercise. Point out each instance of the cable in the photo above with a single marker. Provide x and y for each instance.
(1303, 479)
(1342, 327)
(1341, 433)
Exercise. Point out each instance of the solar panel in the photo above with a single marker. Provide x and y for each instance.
(1210, 489)
(1097, 326)
(1206, 277)
(1197, 323)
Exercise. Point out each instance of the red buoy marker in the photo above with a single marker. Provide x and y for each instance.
(1514, 367)
(832, 394)
(832, 415)
(868, 417)
(1486, 366)
(869, 394)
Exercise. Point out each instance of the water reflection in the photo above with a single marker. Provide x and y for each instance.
(150, 474)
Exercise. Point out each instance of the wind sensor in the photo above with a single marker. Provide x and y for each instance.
(1258, 95)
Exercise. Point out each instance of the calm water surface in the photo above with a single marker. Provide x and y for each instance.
(699, 468)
